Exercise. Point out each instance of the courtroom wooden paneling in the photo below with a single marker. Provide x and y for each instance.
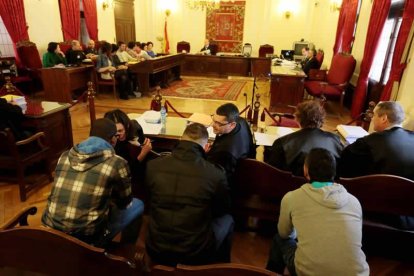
(55, 122)
(286, 89)
(59, 83)
(159, 65)
(218, 66)
(124, 20)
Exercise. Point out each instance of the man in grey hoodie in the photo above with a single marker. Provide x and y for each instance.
(91, 196)
(320, 225)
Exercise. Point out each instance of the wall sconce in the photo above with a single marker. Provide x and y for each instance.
(336, 5)
(106, 4)
(288, 14)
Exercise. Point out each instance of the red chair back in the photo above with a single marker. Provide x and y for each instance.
(183, 46)
(319, 57)
(265, 49)
(342, 68)
(64, 46)
(29, 55)
(214, 48)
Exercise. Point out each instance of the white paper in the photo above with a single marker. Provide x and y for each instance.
(351, 131)
(211, 133)
(153, 129)
(264, 139)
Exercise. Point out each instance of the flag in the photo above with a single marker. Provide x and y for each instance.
(166, 42)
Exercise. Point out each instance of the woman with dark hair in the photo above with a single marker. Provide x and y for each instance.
(53, 56)
(107, 65)
(150, 52)
(288, 152)
(130, 132)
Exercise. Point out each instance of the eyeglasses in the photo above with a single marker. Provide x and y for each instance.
(219, 123)
(117, 136)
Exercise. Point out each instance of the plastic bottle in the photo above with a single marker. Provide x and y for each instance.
(163, 113)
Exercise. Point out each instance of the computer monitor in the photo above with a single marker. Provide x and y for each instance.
(298, 46)
(287, 54)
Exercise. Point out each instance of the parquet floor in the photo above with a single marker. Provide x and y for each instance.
(248, 248)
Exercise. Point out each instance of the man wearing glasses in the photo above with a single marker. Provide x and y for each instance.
(91, 196)
(233, 139)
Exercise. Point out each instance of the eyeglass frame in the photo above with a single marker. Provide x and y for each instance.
(220, 124)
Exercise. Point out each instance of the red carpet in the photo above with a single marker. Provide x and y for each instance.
(212, 89)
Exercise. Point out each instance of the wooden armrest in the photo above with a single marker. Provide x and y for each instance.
(20, 218)
(31, 139)
(318, 75)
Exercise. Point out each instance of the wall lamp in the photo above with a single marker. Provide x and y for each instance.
(336, 5)
(288, 14)
(106, 4)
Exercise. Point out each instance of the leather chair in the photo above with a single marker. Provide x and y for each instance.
(183, 46)
(332, 84)
(214, 48)
(30, 60)
(319, 57)
(27, 158)
(265, 49)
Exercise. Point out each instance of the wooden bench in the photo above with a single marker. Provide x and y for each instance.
(43, 250)
(384, 195)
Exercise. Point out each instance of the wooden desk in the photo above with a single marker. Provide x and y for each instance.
(59, 83)
(54, 120)
(286, 88)
(218, 66)
(160, 64)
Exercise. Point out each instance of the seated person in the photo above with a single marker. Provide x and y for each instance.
(54, 56)
(91, 196)
(305, 53)
(233, 140)
(123, 54)
(131, 49)
(150, 50)
(108, 64)
(11, 116)
(75, 54)
(320, 225)
(189, 221)
(288, 152)
(130, 132)
(311, 62)
(206, 50)
(140, 52)
(91, 51)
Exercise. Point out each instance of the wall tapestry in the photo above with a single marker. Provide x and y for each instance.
(224, 26)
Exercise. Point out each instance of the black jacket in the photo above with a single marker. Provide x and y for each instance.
(288, 152)
(390, 152)
(186, 193)
(11, 116)
(74, 57)
(310, 64)
(228, 148)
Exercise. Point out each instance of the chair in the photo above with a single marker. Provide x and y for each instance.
(265, 49)
(214, 48)
(30, 60)
(319, 57)
(183, 46)
(333, 84)
(102, 82)
(387, 195)
(26, 250)
(259, 189)
(247, 49)
(65, 46)
(21, 157)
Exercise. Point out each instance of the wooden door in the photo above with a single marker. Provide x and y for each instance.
(124, 20)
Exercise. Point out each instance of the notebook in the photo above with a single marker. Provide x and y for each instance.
(351, 133)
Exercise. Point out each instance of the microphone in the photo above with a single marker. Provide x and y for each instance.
(245, 97)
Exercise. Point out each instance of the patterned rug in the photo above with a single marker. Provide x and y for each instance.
(211, 89)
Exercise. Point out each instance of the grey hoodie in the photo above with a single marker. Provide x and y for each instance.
(328, 223)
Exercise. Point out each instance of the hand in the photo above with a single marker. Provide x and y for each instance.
(145, 148)
(207, 147)
(120, 67)
(111, 69)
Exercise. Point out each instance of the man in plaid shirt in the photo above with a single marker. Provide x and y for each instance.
(91, 196)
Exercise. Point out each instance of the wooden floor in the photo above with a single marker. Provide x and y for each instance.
(248, 248)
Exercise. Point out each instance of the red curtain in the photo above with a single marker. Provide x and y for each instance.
(70, 17)
(397, 67)
(12, 13)
(346, 26)
(379, 13)
(91, 18)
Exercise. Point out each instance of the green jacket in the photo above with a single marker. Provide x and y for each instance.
(52, 59)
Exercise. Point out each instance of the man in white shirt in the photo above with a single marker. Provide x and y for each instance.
(122, 53)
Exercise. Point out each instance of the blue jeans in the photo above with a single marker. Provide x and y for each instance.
(282, 254)
(223, 231)
(127, 220)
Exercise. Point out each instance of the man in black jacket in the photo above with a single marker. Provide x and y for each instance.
(233, 141)
(389, 150)
(288, 152)
(11, 116)
(189, 221)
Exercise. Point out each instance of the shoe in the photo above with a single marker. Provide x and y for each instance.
(137, 94)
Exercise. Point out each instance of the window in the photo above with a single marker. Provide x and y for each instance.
(381, 67)
(6, 44)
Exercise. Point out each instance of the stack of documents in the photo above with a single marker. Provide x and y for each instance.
(17, 100)
(267, 139)
(351, 133)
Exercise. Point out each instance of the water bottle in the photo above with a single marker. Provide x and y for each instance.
(163, 113)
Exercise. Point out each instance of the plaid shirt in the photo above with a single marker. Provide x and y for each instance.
(84, 186)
